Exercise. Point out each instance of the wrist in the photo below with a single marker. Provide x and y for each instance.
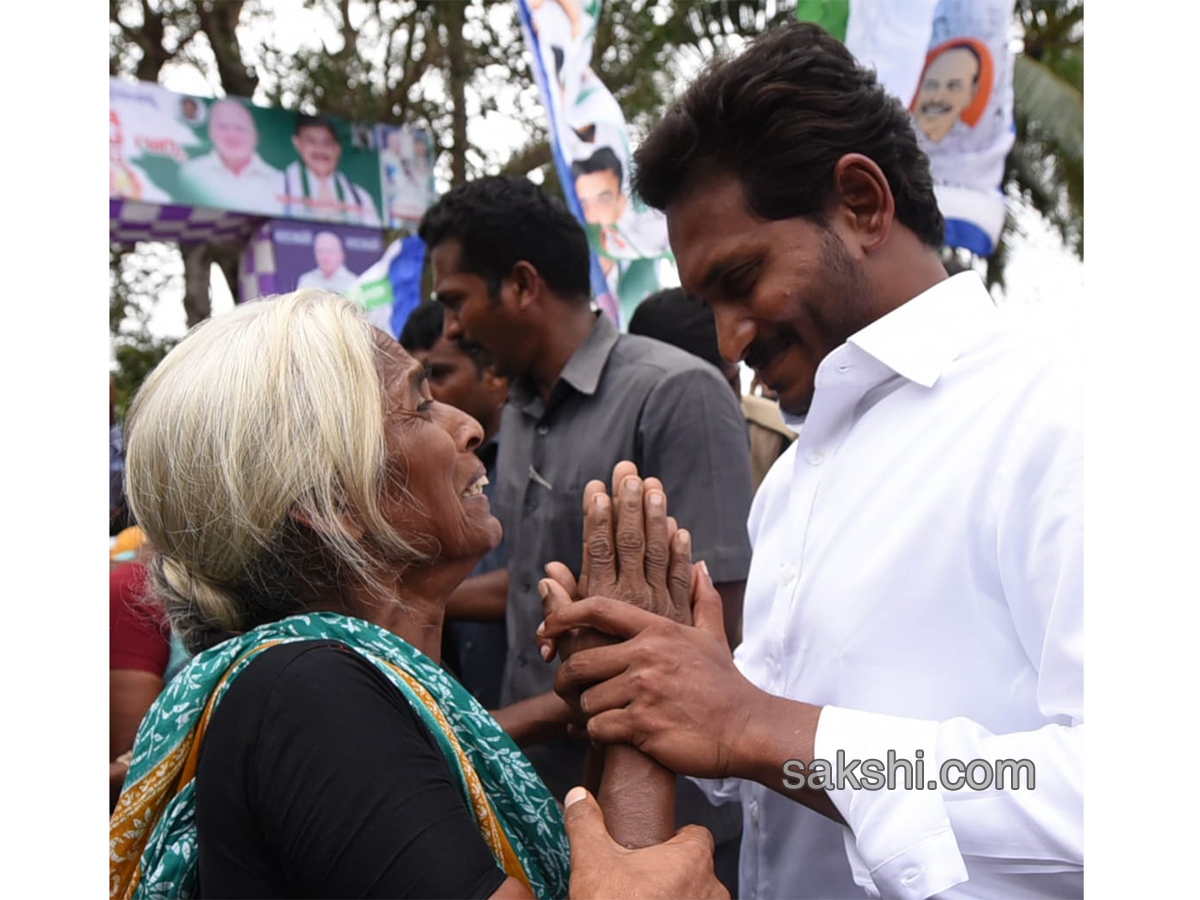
(778, 730)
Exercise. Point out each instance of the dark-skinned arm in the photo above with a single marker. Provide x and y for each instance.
(480, 598)
(535, 719)
(673, 691)
(634, 551)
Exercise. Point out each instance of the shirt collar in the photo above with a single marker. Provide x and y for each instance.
(919, 339)
(582, 371)
(585, 366)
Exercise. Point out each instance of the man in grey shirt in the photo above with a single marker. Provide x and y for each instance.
(510, 268)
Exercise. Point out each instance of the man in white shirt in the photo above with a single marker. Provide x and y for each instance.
(331, 273)
(915, 595)
(232, 175)
(314, 187)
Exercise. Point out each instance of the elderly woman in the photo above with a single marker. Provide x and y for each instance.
(312, 508)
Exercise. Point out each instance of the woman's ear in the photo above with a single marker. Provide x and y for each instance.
(321, 525)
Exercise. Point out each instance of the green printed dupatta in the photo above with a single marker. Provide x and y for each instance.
(152, 836)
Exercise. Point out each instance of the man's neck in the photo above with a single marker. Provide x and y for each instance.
(564, 333)
(916, 269)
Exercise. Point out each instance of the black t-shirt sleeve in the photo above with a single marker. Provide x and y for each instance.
(317, 779)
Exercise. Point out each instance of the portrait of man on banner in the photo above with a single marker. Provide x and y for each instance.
(314, 187)
(232, 175)
(628, 239)
(955, 88)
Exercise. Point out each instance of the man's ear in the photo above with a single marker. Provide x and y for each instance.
(321, 525)
(526, 283)
(865, 199)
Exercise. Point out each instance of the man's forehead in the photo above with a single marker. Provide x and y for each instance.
(700, 225)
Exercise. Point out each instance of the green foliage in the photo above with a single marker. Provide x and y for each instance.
(135, 282)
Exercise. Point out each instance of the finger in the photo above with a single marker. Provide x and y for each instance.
(554, 598)
(593, 487)
(587, 667)
(621, 471)
(560, 573)
(598, 547)
(616, 692)
(694, 834)
(602, 613)
(658, 546)
(708, 612)
(584, 822)
(631, 538)
(612, 727)
(679, 576)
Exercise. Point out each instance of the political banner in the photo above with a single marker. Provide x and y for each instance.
(325, 256)
(231, 155)
(949, 62)
(592, 156)
(390, 288)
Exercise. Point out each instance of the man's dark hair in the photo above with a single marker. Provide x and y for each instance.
(504, 219)
(671, 316)
(779, 117)
(303, 120)
(423, 327)
(603, 160)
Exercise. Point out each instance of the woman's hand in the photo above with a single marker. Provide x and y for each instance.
(632, 551)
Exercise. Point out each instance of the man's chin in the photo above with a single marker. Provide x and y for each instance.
(795, 402)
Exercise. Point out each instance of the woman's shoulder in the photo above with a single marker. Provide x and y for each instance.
(308, 673)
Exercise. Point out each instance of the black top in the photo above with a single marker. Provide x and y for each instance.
(317, 779)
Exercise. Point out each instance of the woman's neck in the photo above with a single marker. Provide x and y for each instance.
(411, 606)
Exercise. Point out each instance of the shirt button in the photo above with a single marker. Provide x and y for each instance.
(787, 574)
(526, 586)
(754, 814)
(910, 876)
(522, 660)
(531, 505)
(543, 430)
(816, 457)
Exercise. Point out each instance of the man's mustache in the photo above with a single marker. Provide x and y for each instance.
(764, 349)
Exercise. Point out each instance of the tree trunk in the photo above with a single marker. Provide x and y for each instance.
(197, 302)
(456, 18)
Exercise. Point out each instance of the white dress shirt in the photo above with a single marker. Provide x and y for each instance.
(917, 571)
(257, 187)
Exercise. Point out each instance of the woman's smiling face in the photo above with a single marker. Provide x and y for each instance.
(433, 492)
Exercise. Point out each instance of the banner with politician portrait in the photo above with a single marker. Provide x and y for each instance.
(319, 255)
(949, 62)
(592, 156)
(229, 154)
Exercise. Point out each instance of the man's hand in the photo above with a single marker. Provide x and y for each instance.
(602, 868)
(669, 689)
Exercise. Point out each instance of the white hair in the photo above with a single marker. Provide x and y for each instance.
(262, 427)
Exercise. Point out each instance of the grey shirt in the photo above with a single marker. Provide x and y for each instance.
(619, 397)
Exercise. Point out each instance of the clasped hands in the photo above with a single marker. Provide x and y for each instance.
(667, 685)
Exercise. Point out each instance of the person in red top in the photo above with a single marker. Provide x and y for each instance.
(139, 648)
